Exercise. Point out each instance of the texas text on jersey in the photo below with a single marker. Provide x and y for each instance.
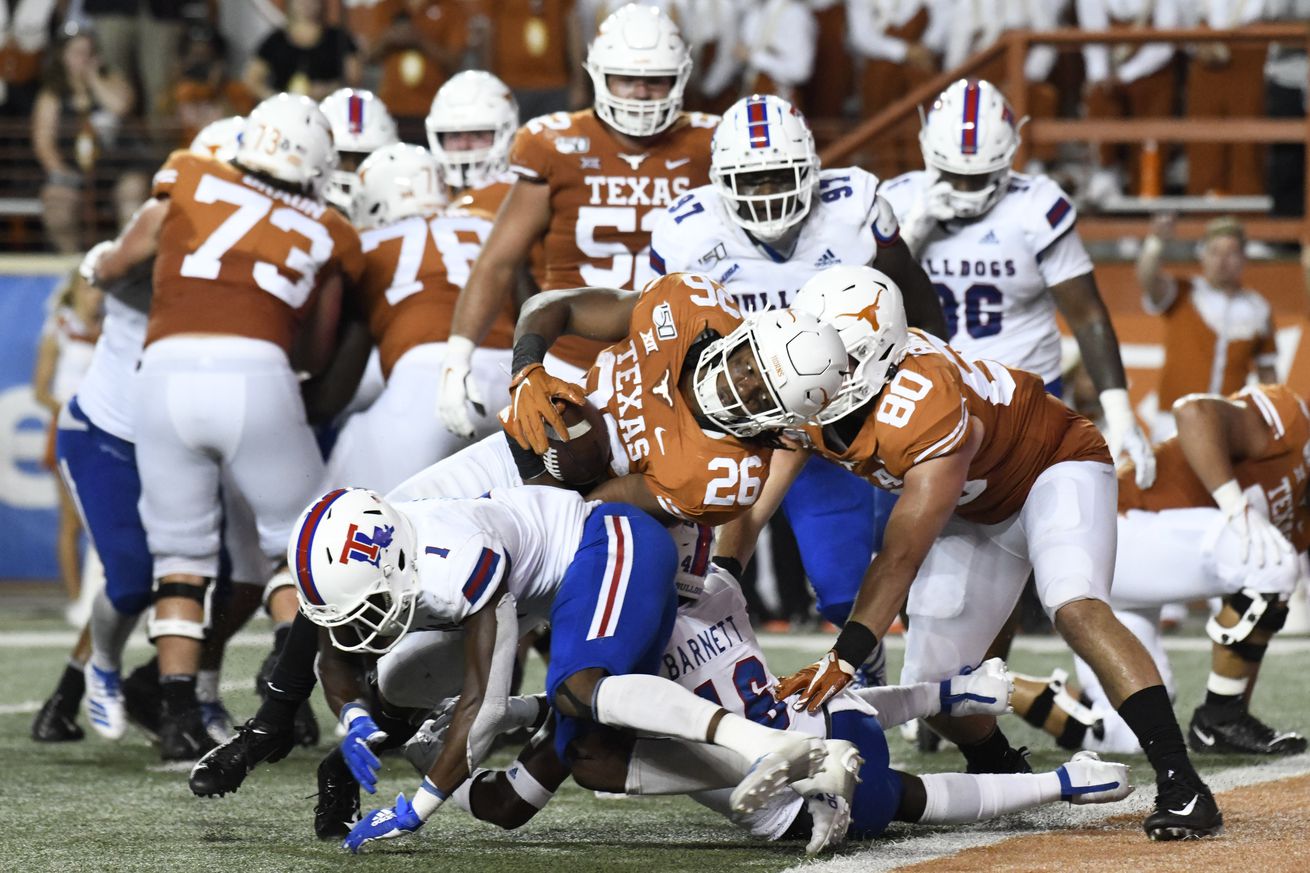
(1281, 474)
(239, 256)
(927, 411)
(847, 225)
(603, 201)
(694, 473)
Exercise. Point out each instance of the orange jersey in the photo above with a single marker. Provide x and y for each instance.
(238, 256)
(484, 199)
(1280, 473)
(695, 474)
(930, 406)
(603, 201)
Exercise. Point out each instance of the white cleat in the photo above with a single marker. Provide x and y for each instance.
(985, 691)
(795, 757)
(1088, 779)
(829, 794)
(103, 703)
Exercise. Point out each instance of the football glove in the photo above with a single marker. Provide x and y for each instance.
(532, 394)
(383, 824)
(817, 683)
(362, 733)
(933, 205)
(458, 389)
(1123, 434)
(1262, 543)
(985, 691)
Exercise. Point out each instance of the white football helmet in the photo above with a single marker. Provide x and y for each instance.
(802, 363)
(219, 139)
(638, 41)
(352, 555)
(395, 182)
(288, 137)
(473, 100)
(971, 131)
(758, 135)
(866, 308)
(361, 125)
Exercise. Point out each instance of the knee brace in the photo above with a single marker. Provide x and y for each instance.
(281, 579)
(1255, 610)
(180, 627)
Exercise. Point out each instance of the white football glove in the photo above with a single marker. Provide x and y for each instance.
(458, 390)
(87, 269)
(933, 205)
(985, 691)
(1123, 434)
(1262, 543)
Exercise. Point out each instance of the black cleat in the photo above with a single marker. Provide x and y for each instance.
(1184, 810)
(182, 735)
(306, 726)
(142, 699)
(1011, 761)
(338, 798)
(1219, 728)
(56, 722)
(227, 765)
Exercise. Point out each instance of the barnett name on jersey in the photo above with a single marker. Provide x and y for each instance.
(930, 406)
(848, 223)
(604, 200)
(696, 474)
(1280, 475)
(240, 256)
(992, 274)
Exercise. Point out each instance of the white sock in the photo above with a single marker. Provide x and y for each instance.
(898, 704)
(660, 766)
(110, 630)
(207, 686)
(460, 796)
(521, 712)
(956, 798)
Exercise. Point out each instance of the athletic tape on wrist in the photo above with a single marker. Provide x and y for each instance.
(427, 799)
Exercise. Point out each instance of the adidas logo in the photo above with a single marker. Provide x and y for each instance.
(382, 815)
(827, 259)
(990, 238)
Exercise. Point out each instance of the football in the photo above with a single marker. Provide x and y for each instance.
(585, 456)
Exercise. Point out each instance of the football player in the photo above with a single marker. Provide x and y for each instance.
(1003, 253)
(245, 252)
(996, 476)
(769, 220)
(1227, 518)
(361, 125)
(590, 186)
(469, 128)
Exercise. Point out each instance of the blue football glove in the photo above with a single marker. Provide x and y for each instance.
(356, 746)
(383, 824)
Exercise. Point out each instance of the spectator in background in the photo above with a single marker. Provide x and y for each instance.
(830, 91)
(778, 40)
(24, 34)
(1126, 80)
(1285, 97)
(1217, 333)
(75, 121)
(140, 37)
(418, 49)
(530, 45)
(205, 92)
(306, 56)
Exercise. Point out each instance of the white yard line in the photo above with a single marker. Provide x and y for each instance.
(29, 706)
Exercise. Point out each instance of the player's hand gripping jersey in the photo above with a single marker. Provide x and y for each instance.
(604, 202)
(238, 256)
(930, 406)
(695, 474)
(1281, 474)
(992, 274)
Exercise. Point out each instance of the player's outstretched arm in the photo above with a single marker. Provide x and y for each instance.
(603, 314)
(138, 242)
(736, 540)
(923, 309)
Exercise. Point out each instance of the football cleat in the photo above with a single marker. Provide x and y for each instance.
(1088, 779)
(142, 701)
(104, 702)
(795, 757)
(56, 721)
(829, 795)
(1012, 760)
(1183, 811)
(1216, 728)
(337, 809)
(182, 735)
(226, 766)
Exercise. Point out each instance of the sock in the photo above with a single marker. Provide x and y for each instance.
(1151, 717)
(207, 686)
(280, 635)
(461, 796)
(955, 798)
(109, 632)
(662, 766)
(898, 704)
(1224, 690)
(179, 693)
(988, 751)
(522, 712)
(292, 680)
(72, 685)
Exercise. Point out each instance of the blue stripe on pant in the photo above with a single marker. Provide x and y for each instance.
(878, 795)
(101, 471)
(626, 637)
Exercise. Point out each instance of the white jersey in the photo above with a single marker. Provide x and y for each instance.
(107, 393)
(526, 537)
(848, 221)
(992, 274)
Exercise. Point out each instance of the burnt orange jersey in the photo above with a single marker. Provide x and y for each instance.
(484, 199)
(238, 256)
(603, 200)
(928, 410)
(695, 474)
(1280, 473)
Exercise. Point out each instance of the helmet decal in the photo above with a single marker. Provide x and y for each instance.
(305, 540)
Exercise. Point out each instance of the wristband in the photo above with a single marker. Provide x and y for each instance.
(732, 565)
(1229, 496)
(353, 711)
(855, 643)
(459, 350)
(427, 799)
(529, 349)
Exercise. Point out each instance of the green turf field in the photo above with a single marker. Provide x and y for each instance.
(94, 806)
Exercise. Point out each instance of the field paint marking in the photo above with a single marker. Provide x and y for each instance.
(29, 706)
(938, 842)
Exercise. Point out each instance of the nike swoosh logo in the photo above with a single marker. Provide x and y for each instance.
(1187, 810)
(659, 438)
(673, 165)
(1203, 736)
